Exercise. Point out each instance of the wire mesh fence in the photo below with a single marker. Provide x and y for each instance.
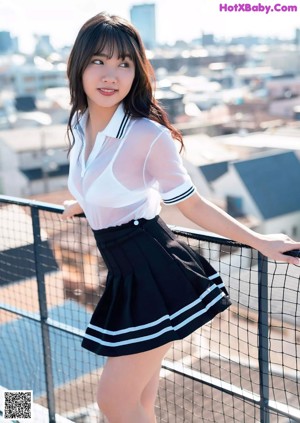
(241, 367)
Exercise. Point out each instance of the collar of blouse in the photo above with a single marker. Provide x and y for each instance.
(116, 127)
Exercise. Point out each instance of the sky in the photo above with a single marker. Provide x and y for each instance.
(176, 19)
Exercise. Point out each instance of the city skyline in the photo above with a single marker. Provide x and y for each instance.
(62, 20)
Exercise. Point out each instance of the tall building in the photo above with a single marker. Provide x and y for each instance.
(6, 42)
(297, 37)
(208, 40)
(43, 45)
(143, 18)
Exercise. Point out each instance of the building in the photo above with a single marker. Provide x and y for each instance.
(31, 76)
(265, 186)
(33, 160)
(143, 18)
(6, 42)
(297, 37)
(208, 40)
(38, 76)
(43, 46)
(281, 57)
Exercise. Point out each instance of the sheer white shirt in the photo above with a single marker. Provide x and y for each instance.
(133, 165)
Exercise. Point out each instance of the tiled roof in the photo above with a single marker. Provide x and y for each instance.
(213, 171)
(273, 181)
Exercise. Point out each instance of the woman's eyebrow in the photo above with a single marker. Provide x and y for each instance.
(108, 56)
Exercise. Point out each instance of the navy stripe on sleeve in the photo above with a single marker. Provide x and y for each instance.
(180, 197)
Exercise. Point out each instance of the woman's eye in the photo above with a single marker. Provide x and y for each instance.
(124, 65)
(97, 62)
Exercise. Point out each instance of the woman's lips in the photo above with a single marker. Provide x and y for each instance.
(107, 91)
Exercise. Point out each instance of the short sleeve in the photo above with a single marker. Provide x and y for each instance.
(164, 166)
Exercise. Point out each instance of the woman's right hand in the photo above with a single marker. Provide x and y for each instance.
(72, 208)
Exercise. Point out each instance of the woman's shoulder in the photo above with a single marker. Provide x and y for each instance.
(148, 127)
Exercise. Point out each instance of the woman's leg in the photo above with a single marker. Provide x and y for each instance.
(128, 386)
(149, 394)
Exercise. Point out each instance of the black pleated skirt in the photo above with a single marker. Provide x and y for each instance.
(158, 290)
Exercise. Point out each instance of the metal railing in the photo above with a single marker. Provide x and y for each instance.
(242, 367)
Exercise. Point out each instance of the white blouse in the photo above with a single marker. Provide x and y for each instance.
(133, 165)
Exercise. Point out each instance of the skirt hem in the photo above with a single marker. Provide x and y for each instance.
(140, 347)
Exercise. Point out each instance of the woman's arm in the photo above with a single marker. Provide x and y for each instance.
(208, 216)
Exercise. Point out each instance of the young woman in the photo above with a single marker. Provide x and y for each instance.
(123, 161)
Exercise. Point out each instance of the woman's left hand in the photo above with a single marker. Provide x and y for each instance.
(72, 208)
(274, 246)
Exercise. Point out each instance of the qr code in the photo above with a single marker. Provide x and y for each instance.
(17, 404)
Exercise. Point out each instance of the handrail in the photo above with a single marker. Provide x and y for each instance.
(266, 404)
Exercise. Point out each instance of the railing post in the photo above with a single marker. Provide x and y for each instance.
(263, 337)
(40, 276)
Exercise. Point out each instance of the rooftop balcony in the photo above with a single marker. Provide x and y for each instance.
(244, 366)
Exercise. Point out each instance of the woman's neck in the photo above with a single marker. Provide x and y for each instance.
(97, 121)
(100, 117)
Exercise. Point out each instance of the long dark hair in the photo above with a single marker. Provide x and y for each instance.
(110, 32)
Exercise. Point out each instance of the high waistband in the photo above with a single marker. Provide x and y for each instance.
(132, 224)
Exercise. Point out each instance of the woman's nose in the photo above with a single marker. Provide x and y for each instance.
(109, 77)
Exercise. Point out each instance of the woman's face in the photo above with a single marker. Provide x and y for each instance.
(107, 80)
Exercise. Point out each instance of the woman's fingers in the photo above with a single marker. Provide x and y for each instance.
(71, 208)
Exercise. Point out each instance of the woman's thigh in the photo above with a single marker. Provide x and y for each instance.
(129, 374)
